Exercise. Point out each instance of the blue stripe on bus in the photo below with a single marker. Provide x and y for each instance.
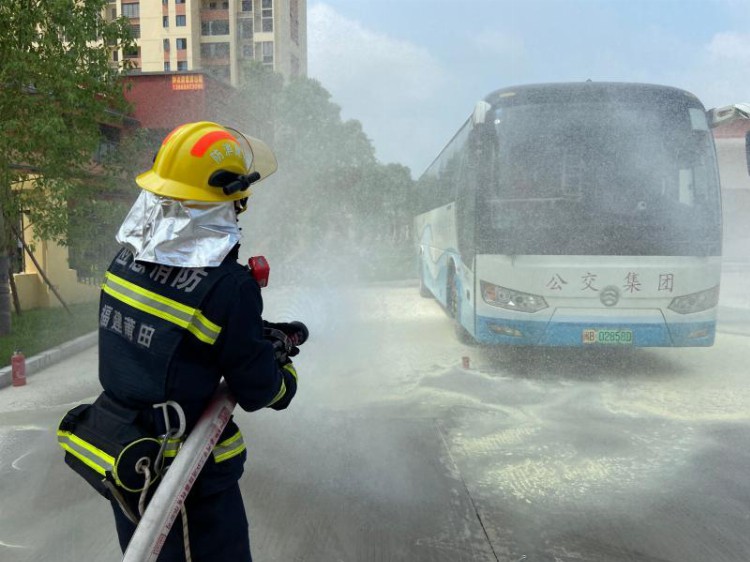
(438, 285)
(569, 334)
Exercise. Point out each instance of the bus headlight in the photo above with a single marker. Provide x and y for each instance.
(510, 299)
(695, 302)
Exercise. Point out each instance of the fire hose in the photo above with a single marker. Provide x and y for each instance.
(169, 499)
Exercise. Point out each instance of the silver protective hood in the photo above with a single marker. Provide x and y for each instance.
(179, 233)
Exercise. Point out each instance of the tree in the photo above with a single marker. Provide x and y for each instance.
(388, 189)
(57, 86)
(104, 206)
(321, 159)
(331, 201)
(260, 88)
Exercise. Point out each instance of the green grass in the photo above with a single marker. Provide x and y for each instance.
(38, 330)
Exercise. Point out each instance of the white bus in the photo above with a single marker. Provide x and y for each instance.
(580, 214)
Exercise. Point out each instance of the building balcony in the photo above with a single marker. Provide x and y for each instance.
(215, 27)
(211, 15)
(209, 61)
(208, 5)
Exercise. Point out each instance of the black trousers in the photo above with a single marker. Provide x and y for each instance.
(217, 527)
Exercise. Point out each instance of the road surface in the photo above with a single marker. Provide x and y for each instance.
(394, 451)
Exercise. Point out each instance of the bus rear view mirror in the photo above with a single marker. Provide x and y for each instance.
(480, 112)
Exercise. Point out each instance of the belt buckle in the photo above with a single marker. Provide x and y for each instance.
(179, 431)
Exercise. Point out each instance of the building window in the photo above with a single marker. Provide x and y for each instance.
(115, 56)
(165, 21)
(247, 5)
(215, 50)
(167, 68)
(131, 10)
(166, 45)
(215, 27)
(266, 49)
(136, 29)
(182, 65)
(181, 21)
(267, 14)
(132, 53)
(179, 1)
(164, 2)
(108, 143)
(247, 51)
(246, 28)
(114, 13)
(181, 43)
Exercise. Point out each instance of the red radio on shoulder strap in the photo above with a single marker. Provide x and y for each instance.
(260, 270)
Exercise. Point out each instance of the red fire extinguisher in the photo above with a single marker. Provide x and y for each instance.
(18, 368)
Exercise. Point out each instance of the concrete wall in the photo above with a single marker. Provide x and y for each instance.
(33, 292)
(735, 193)
(732, 163)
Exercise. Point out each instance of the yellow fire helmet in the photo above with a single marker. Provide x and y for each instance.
(205, 161)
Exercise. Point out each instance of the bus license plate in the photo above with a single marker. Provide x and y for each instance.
(622, 337)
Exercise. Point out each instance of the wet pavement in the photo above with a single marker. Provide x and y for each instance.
(393, 451)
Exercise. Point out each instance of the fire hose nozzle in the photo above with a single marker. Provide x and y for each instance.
(300, 336)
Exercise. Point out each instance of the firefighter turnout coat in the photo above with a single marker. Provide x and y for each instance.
(170, 334)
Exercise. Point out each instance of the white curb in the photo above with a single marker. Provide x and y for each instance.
(51, 356)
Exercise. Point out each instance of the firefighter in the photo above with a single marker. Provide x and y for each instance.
(178, 313)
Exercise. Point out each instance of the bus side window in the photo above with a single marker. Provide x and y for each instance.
(693, 171)
(475, 174)
(448, 179)
(686, 194)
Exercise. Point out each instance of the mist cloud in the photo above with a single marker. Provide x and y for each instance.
(386, 83)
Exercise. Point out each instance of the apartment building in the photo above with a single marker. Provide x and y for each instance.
(215, 36)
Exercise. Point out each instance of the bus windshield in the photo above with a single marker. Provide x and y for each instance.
(599, 178)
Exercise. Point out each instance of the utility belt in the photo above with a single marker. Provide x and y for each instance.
(117, 448)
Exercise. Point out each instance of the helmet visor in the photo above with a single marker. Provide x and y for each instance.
(258, 156)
